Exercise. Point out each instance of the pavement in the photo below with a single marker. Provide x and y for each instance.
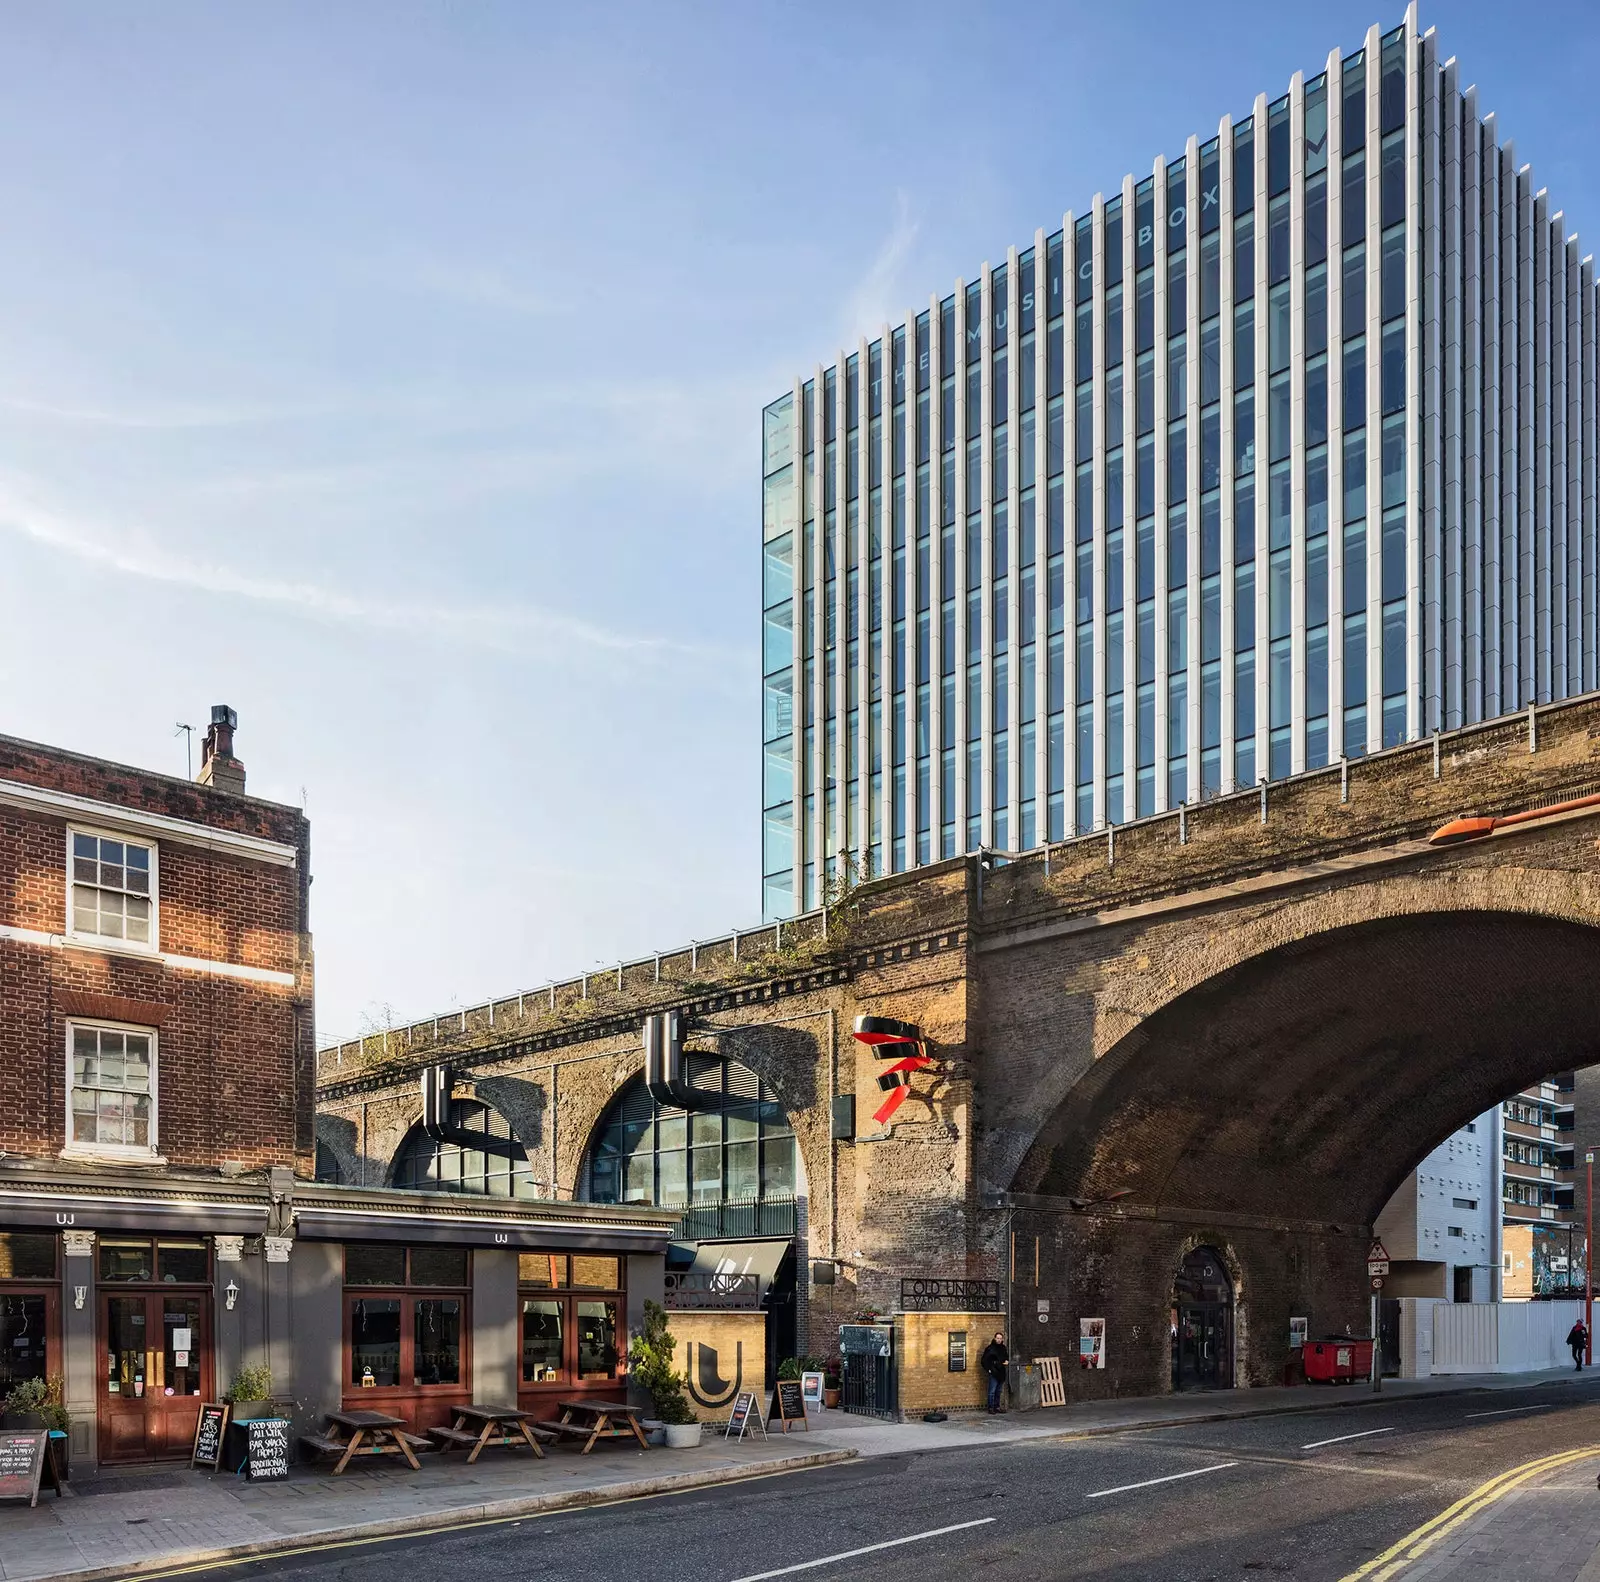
(149, 1521)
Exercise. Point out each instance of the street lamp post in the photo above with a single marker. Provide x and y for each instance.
(1588, 1266)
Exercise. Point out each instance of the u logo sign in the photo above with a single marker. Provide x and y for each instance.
(705, 1383)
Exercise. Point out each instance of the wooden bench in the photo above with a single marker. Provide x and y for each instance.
(371, 1434)
(452, 1436)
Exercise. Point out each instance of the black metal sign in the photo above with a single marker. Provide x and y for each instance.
(699, 1290)
(934, 1295)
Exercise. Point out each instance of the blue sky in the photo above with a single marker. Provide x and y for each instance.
(392, 372)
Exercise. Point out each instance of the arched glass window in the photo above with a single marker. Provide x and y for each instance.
(327, 1164)
(498, 1167)
(739, 1149)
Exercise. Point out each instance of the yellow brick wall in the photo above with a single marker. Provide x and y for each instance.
(718, 1355)
(922, 1351)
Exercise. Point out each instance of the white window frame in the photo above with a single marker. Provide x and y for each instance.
(110, 942)
(76, 1149)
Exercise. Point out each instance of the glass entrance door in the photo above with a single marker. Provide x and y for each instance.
(1202, 1323)
(155, 1371)
(1200, 1346)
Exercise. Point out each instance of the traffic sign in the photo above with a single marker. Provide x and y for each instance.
(1377, 1282)
(1377, 1258)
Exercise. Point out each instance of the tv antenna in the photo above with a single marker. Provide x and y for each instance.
(187, 733)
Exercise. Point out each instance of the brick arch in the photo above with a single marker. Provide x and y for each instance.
(1306, 1078)
(1159, 963)
(1215, 946)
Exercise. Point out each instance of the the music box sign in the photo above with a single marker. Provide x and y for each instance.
(901, 1043)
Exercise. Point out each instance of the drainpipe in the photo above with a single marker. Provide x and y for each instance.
(1498, 1207)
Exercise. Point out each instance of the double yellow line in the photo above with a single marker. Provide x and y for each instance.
(1418, 1542)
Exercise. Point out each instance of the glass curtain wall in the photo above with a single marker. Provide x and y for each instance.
(1282, 452)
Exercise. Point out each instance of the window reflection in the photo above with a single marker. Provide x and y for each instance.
(597, 1340)
(542, 1353)
(375, 1342)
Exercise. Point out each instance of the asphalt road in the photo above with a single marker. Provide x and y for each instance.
(1309, 1495)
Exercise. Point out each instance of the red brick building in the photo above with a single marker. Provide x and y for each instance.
(157, 1054)
(160, 1227)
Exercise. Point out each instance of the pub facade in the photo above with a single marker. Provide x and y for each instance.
(160, 1227)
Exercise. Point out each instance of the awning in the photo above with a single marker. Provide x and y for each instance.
(577, 1235)
(760, 1258)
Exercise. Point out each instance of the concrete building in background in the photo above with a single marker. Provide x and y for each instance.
(1442, 1227)
(1545, 1236)
(1281, 452)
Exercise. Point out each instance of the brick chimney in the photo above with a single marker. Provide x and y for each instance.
(219, 769)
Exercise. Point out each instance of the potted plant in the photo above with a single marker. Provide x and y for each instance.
(650, 1362)
(830, 1381)
(250, 1394)
(38, 1403)
(24, 1405)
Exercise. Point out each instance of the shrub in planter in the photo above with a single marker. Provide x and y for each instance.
(650, 1360)
(250, 1394)
(25, 1404)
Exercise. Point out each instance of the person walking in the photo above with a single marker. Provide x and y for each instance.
(994, 1360)
(1577, 1338)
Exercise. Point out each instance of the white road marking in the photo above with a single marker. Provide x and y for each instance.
(1505, 1410)
(1150, 1483)
(1317, 1444)
(850, 1554)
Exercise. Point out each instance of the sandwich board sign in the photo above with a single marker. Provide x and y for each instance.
(25, 1459)
(745, 1411)
(788, 1405)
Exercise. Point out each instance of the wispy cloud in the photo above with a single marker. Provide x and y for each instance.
(878, 297)
(509, 628)
(158, 417)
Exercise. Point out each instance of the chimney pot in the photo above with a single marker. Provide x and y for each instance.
(219, 769)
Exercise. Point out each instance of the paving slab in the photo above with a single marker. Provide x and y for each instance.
(1548, 1530)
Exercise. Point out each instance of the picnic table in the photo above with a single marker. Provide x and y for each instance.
(365, 1434)
(478, 1426)
(592, 1420)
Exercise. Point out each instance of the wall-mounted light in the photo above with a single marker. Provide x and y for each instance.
(79, 1292)
(231, 1291)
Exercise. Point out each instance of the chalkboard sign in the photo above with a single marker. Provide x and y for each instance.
(788, 1405)
(744, 1410)
(266, 1449)
(25, 1458)
(208, 1435)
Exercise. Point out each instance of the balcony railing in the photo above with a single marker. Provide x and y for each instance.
(930, 1294)
(697, 1290)
(748, 1217)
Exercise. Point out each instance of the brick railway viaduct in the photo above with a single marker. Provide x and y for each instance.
(1251, 1019)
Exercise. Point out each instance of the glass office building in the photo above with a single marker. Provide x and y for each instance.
(1283, 452)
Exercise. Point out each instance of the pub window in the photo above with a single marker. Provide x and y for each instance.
(399, 1339)
(27, 1317)
(128, 1260)
(27, 1256)
(571, 1317)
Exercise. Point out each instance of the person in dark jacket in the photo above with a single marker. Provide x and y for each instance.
(994, 1360)
(1577, 1338)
